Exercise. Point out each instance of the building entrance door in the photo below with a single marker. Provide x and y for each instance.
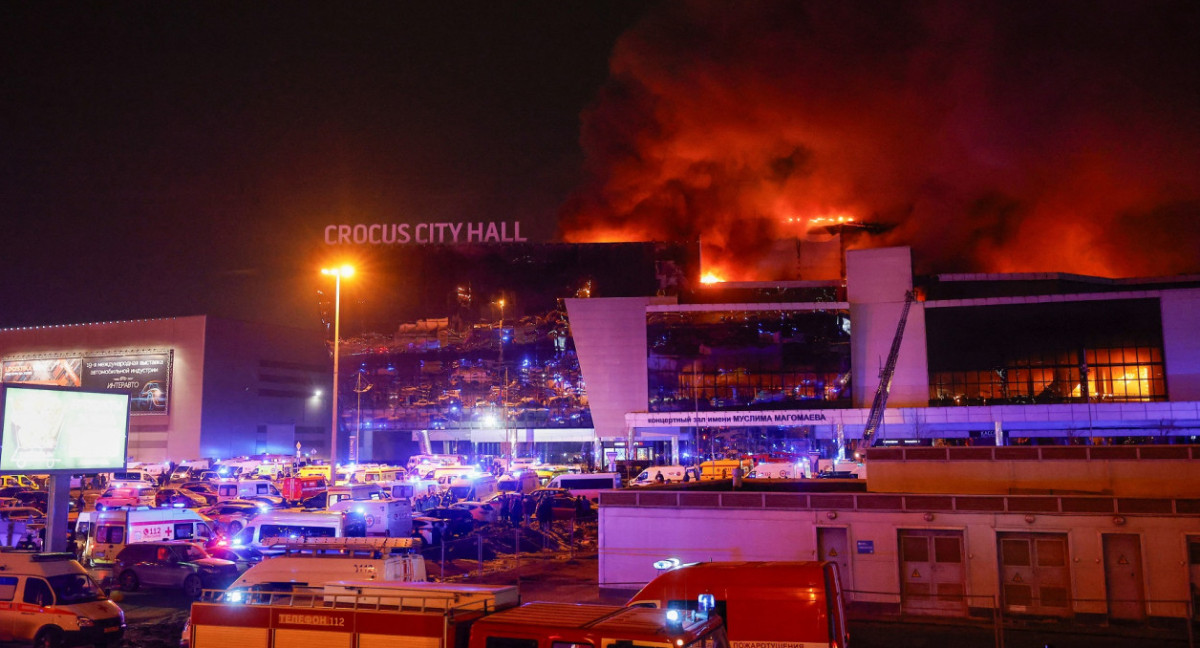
(931, 572)
(1194, 572)
(1123, 576)
(1035, 574)
(833, 545)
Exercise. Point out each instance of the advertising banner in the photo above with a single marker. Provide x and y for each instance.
(63, 372)
(45, 429)
(145, 377)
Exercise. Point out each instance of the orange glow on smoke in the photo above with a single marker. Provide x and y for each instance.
(757, 123)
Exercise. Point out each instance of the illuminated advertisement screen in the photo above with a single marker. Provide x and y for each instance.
(146, 377)
(46, 429)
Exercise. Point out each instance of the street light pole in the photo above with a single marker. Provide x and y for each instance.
(337, 274)
(512, 445)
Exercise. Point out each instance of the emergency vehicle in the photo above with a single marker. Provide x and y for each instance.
(51, 600)
(369, 474)
(229, 489)
(430, 615)
(295, 489)
(786, 604)
(610, 626)
(436, 615)
(723, 468)
(105, 533)
(288, 524)
(312, 562)
(383, 517)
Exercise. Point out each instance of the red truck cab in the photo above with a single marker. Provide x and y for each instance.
(763, 603)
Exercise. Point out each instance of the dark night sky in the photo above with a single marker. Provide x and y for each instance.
(183, 157)
(173, 158)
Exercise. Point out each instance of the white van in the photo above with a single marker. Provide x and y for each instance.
(778, 470)
(105, 533)
(421, 461)
(670, 475)
(374, 474)
(136, 476)
(587, 484)
(356, 492)
(290, 525)
(443, 475)
(52, 599)
(313, 562)
(384, 517)
(523, 481)
(475, 487)
(240, 489)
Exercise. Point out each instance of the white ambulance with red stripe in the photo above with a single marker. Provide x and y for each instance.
(49, 599)
(105, 533)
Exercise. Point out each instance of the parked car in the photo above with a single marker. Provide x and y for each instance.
(231, 515)
(174, 564)
(22, 513)
(429, 529)
(117, 496)
(459, 522)
(271, 501)
(36, 499)
(481, 512)
(179, 498)
(204, 489)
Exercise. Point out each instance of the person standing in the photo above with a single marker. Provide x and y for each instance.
(516, 512)
(545, 513)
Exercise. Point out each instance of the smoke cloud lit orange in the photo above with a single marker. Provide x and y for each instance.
(990, 136)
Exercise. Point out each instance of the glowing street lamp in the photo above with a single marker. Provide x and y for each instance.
(337, 274)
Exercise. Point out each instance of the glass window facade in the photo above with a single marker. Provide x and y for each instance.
(1041, 353)
(731, 360)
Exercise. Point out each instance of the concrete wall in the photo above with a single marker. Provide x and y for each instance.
(633, 537)
(610, 339)
(876, 282)
(152, 437)
(1181, 344)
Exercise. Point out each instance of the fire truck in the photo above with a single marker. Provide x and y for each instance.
(434, 615)
(778, 604)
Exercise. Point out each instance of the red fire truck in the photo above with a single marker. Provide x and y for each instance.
(298, 488)
(433, 615)
(777, 604)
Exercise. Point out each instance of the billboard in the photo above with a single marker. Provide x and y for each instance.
(48, 429)
(146, 377)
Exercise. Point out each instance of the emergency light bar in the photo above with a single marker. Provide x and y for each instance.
(373, 544)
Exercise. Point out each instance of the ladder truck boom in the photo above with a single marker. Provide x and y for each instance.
(875, 417)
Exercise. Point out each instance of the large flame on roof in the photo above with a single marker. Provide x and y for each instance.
(990, 137)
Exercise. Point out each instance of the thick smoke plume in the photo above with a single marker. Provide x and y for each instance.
(992, 136)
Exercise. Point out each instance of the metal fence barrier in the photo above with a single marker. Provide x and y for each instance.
(988, 610)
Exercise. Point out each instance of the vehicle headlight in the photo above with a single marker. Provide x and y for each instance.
(85, 622)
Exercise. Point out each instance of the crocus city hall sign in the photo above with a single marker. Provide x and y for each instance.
(437, 233)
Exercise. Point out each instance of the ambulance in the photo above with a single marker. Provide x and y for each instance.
(312, 562)
(383, 517)
(53, 601)
(763, 603)
(105, 533)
